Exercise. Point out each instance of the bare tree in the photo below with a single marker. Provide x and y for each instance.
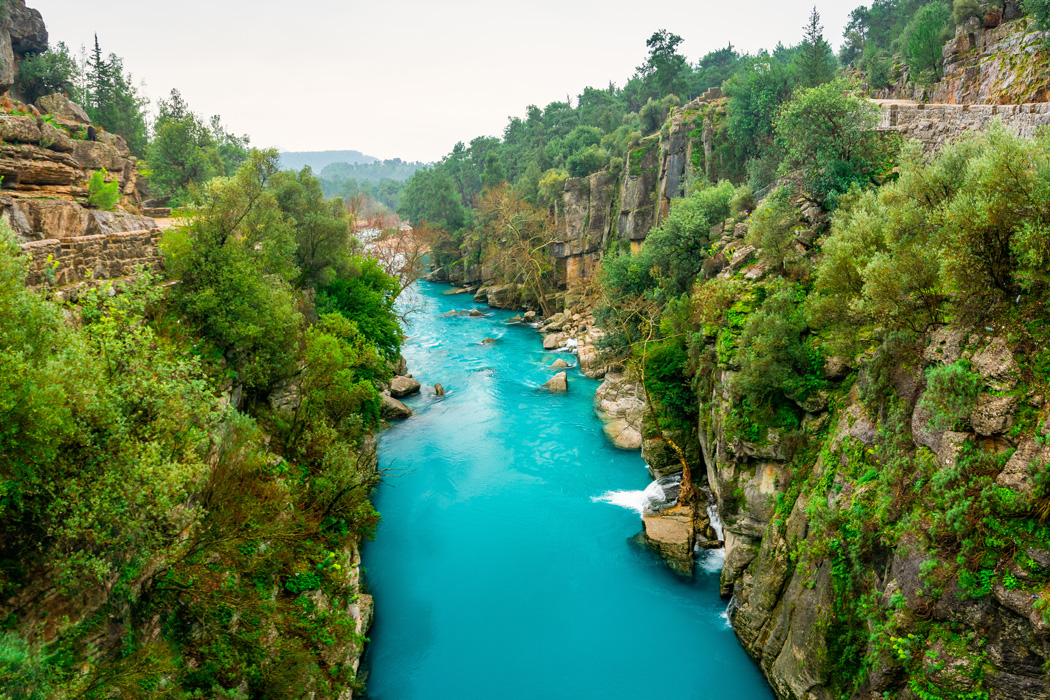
(519, 236)
(638, 319)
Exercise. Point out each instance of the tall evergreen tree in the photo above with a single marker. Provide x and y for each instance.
(815, 60)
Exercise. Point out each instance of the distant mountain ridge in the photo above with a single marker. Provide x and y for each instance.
(318, 160)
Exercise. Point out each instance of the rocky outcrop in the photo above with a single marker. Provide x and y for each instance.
(1008, 64)
(392, 409)
(22, 32)
(779, 568)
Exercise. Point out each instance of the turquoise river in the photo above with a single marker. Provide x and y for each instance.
(501, 569)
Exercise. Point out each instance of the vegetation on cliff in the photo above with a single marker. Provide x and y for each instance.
(187, 468)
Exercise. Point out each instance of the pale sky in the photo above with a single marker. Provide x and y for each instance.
(403, 78)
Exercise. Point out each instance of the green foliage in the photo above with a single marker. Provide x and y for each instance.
(101, 194)
(186, 152)
(365, 295)
(815, 61)
(676, 249)
(233, 264)
(112, 100)
(878, 66)
(923, 40)
(963, 10)
(321, 228)
(776, 359)
(772, 230)
(54, 71)
(951, 394)
(829, 142)
(664, 69)
(430, 196)
(1040, 10)
(666, 377)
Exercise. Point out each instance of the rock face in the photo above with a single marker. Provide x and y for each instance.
(1006, 64)
(782, 599)
(22, 31)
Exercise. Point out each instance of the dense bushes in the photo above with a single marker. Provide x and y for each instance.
(971, 227)
(200, 528)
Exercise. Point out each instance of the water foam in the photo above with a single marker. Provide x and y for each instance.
(631, 500)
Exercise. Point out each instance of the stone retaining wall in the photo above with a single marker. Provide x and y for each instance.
(935, 124)
(102, 256)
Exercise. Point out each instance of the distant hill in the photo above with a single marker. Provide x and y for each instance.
(319, 160)
(395, 169)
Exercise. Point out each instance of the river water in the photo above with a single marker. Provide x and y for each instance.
(501, 569)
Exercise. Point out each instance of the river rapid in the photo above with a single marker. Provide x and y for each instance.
(503, 566)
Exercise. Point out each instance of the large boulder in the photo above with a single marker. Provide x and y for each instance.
(59, 105)
(623, 435)
(392, 409)
(400, 387)
(558, 384)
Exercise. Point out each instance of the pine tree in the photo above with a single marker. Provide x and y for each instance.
(816, 62)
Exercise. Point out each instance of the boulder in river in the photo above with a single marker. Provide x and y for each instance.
(456, 290)
(515, 319)
(400, 387)
(529, 316)
(439, 390)
(560, 364)
(474, 313)
(552, 341)
(672, 533)
(559, 383)
(490, 341)
(392, 409)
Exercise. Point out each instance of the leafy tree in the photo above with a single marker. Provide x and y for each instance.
(816, 63)
(54, 71)
(185, 152)
(714, 69)
(923, 39)
(321, 227)
(664, 69)
(365, 295)
(431, 196)
(1040, 10)
(755, 94)
(962, 10)
(829, 141)
(233, 265)
(587, 161)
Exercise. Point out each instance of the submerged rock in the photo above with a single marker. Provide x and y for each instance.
(392, 409)
(560, 364)
(400, 387)
(490, 341)
(559, 383)
(439, 390)
(456, 290)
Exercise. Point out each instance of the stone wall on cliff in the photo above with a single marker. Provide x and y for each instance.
(935, 125)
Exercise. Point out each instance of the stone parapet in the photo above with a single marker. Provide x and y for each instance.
(936, 124)
(62, 262)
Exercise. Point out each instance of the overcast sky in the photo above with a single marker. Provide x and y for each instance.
(403, 78)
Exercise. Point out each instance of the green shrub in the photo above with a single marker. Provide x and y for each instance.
(951, 394)
(963, 10)
(54, 71)
(1040, 10)
(101, 194)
